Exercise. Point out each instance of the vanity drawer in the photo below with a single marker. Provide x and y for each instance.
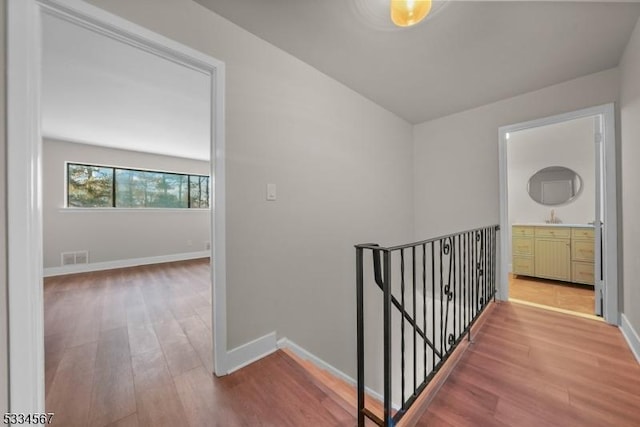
(553, 232)
(522, 265)
(582, 233)
(520, 231)
(582, 250)
(582, 272)
(522, 246)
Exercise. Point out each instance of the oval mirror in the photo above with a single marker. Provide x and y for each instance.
(554, 185)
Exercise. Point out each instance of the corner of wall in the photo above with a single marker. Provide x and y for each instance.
(631, 335)
(250, 352)
(285, 343)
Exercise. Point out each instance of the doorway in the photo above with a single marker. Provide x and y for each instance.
(557, 182)
(126, 225)
(25, 190)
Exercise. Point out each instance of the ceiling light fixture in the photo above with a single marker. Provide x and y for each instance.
(405, 13)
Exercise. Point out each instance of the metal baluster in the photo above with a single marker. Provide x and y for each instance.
(424, 305)
(455, 283)
(402, 325)
(433, 302)
(477, 272)
(487, 263)
(491, 235)
(441, 304)
(493, 257)
(486, 266)
(475, 277)
(466, 285)
(459, 293)
(415, 319)
(480, 269)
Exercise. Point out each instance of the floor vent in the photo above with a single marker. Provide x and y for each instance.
(71, 258)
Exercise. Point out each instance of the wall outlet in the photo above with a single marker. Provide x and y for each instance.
(207, 246)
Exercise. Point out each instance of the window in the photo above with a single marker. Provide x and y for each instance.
(91, 186)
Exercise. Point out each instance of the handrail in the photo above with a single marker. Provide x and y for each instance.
(375, 246)
(458, 280)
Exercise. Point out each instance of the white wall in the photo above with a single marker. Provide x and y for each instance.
(569, 144)
(630, 136)
(3, 224)
(116, 234)
(344, 174)
(456, 157)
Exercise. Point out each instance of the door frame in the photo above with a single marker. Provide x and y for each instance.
(609, 185)
(24, 181)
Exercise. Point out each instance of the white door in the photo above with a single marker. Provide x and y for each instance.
(598, 225)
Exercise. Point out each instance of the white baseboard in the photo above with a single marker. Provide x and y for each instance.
(122, 263)
(307, 355)
(631, 335)
(251, 352)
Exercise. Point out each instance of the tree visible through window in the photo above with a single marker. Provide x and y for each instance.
(90, 186)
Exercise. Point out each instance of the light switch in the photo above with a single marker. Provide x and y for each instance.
(271, 192)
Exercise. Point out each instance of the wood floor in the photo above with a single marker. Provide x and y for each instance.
(132, 347)
(552, 293)
(531, 367)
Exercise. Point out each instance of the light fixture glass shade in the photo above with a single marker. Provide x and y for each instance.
(405, 13)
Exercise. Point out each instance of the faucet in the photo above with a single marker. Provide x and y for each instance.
(553, 219)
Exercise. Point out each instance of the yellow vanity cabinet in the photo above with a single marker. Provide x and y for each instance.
(553, 252)
(582, 256)
(522, 248)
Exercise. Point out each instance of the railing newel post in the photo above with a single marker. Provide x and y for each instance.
(387, 338)
(360, 331)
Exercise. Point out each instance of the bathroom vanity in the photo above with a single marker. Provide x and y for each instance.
(554, 251)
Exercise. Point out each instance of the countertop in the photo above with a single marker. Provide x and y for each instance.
(544, 224)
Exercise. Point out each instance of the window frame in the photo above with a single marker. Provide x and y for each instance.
(114, 186)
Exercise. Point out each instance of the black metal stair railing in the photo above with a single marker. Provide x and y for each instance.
(451, 279)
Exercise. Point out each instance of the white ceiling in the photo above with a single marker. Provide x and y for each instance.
(100, 91)
(465, 55)
(103, 92)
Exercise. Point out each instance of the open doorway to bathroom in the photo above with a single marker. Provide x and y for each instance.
(558, 213)
(552, 210)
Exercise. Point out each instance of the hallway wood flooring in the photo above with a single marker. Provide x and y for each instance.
(132, 347)
(533, 367)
